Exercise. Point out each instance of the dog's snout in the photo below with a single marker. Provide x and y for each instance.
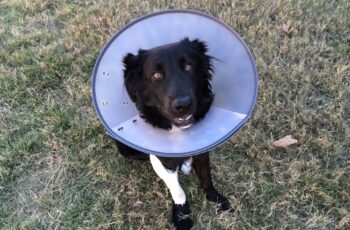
(181, 104)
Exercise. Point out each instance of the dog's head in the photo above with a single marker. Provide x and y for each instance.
(170, 84)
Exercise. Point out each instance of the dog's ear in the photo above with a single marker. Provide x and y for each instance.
(197, 45)
(132, 72)
(205, 70)
(204, 60)
(132, 62)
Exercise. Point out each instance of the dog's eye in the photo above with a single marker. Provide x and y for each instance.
(157, 76)
(188, 67)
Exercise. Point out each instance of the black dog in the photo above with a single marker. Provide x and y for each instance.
(170, 86)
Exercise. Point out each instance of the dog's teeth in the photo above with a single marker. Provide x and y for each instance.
(184, 118)
(188, 117)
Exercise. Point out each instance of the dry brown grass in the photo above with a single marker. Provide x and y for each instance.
(58, 170)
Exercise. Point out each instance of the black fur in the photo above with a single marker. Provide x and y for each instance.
(138, 84)
(180, 216)
(185, 72)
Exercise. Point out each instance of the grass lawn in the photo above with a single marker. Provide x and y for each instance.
(58, 169)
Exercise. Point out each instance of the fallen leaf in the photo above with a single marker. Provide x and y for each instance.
(285, 142)
(287, 30)
(54, 146)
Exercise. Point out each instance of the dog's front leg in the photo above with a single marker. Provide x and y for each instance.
(201, 165)
(181, 208)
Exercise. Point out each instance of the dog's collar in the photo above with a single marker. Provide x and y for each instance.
(235, 83)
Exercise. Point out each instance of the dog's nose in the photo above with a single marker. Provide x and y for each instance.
(181, 104)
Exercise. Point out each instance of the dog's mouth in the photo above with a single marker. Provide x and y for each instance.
(184, 122)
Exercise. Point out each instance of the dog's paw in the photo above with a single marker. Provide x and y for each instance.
(181, 219)
(224, 205)
(183, 224)
(220, 200)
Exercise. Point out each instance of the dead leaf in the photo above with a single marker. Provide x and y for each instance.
(54, 146)
(285, 142)
(287, 30)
